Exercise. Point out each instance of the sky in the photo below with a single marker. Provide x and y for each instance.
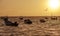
(27, 8)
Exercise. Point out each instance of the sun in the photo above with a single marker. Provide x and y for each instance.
(54, 4)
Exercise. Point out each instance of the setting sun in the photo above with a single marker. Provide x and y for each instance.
(54, 3)
(29, 7)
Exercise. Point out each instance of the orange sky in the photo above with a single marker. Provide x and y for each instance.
(26, 8)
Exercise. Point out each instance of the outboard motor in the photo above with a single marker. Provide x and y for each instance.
(9, 23)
